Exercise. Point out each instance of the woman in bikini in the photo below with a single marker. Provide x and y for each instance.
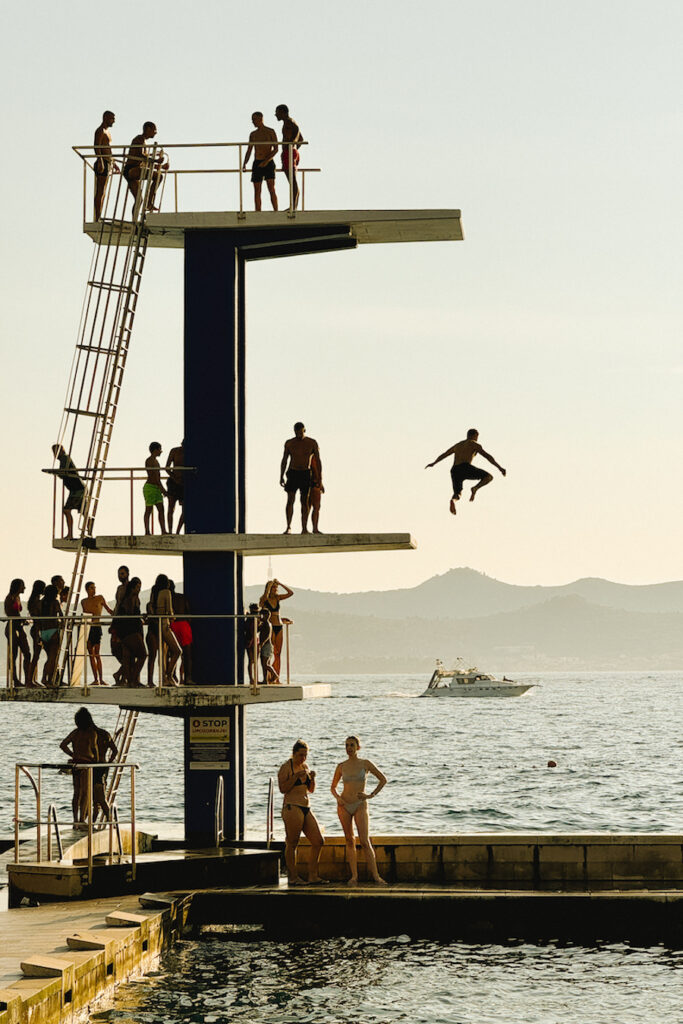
(270, 599)
(33, 605)
(296, 781)
(49, 622)
(17, 631)
(352, 806)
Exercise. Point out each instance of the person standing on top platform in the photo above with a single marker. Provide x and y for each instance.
(263, 141)
(176, 484)
(290, 134)
(104, 160)
(462, 469)
(299, 451)
(92, 606)
(74, 485)
(116, 646)
(135, 166)
(153, 490)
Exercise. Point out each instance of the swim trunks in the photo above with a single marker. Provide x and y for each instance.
(285, 157)
(298, 480)
(175, 490)
(102, 167)
(267, 650)
(182, 632)
(95, 636)
(260, 171)
(464, 471)
(74, 500)
(153, 495)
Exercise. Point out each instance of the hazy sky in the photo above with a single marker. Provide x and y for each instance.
(555, 327)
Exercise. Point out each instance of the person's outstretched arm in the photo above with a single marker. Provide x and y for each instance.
(444, 455)
(493, 462)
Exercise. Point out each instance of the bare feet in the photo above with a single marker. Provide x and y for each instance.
(288, 530)
(453, 508)
(473, 494)
(304, 530)
(379, 881)
(317, 531)
(352, 883)
(297, 881)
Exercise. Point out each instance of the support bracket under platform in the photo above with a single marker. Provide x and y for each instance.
(244, 543)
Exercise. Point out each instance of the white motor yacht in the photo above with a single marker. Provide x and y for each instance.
(462, 681)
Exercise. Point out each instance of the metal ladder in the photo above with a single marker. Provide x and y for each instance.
(123, 737)
(99, 362)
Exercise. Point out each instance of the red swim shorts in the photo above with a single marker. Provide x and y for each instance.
(285, 158)
(182, 632)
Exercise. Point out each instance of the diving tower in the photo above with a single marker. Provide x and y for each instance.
(218, 246)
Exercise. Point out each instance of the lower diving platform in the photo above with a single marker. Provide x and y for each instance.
(167, 700)
(243, 543)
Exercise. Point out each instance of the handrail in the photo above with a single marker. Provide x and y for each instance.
(219, 812)
(118, 154)
(270, 813)
(84, 620)
(52, 817)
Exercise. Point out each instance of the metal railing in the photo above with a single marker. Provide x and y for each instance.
(128, 474)
(112, 824)
(219, 812)
(202, 152)
(270, 813)
(79, 656)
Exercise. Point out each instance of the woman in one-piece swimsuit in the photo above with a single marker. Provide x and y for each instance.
(295, 782)
(352, 806)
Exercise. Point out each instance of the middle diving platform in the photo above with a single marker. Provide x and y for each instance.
(242, 543)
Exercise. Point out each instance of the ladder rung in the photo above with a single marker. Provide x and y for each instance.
(98, 350)
(85, 412)
(110, 287)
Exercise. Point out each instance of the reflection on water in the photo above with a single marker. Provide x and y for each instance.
(382, 981)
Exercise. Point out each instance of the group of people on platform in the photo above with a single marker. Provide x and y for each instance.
(301, 471)
(297, 783)
(136, 634)
(140, 163)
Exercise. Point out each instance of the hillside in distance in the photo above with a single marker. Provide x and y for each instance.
(588, 624)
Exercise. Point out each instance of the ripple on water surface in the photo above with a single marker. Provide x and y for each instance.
(386, 981)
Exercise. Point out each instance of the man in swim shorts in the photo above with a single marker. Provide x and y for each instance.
(462, 469)
(290, 134)
(176, 484)
(136, 163)
(92, 606)
(73, 484)
(299, 451)
(116, 645)
(263, 141)
(104, 161)
(153, 490)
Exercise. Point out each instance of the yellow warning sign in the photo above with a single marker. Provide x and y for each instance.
(210, 730)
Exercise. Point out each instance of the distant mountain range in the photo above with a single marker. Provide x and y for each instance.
(588, 624)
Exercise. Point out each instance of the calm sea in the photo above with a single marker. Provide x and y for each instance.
(453, 765)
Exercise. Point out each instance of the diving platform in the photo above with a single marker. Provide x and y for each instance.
(168, 700)
(242, 543)
(353, 227)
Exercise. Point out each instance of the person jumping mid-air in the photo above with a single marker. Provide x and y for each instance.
(462, 469)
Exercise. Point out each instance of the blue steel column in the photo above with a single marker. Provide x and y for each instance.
(214, 500)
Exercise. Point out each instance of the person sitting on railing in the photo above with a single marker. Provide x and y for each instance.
(33, 605)
(136, 164)
(153, 490)
(290, 134)
(80, 746)
(92, 606)
(104, 160)
(50, 623)
(182, 631)
(68, 475)
(128, 626)
(17, 631)
(161, 601)
(176, 484)
(263, 141)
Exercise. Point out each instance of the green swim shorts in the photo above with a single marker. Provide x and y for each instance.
(153, 495)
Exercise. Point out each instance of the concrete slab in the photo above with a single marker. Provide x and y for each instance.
(170, 700)
(167, 230)
(245, 543)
